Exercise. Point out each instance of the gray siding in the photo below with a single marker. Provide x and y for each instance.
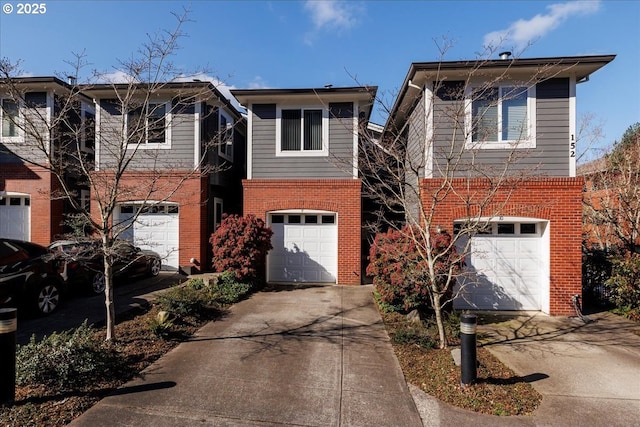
(265, 164)
(550, 157)
(27, 146)
(416, 159)
(179, 156)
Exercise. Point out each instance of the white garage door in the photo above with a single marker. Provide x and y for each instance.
(156, 229)
(305, 248)
(15, 217)
(504, 270)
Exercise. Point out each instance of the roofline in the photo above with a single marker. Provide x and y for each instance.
(365, 92)
(516, 63)
(512, 63)
(42, 80)
(114, 87)
(297, 91)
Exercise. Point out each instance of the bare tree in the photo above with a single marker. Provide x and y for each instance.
(58, 144)
(442, 140)
(611, 200)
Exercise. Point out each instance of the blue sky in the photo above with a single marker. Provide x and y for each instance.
(280, 44)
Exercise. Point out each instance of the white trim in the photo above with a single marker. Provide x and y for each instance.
(249, 140)
(572, 126)
(429, 127)
(168, 117)
(96, 147)
(197, 137)
(20, 134)
(222, 132)
(356, 138)
(302, 153)
(84, 109)
(85, 199)
(529, 142)
(300, 211)
(216, 220)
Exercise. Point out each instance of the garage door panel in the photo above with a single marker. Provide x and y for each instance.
(304, 252)
(15, 217)
(158, 232)
(505, 273)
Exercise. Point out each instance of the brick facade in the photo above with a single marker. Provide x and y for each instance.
(39, 184)
(343, 197)
(190, 194)
(557, 200)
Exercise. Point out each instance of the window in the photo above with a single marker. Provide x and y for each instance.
(294, 219)
(528, 229)
(506, 228)
(10, 114)
(328, 219)
(149, 125)
(302, 131)
(310, 219)
(501, 117)
(225, 149)
(88, 127)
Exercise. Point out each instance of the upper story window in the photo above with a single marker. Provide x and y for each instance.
(9, 113)
(501, 117)
(302, 131)
(88, 134)
(225, 135)
(149, 126)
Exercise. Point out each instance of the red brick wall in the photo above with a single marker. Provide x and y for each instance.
(46, 214)
(340, 196)
(191, 195)
(558, 200)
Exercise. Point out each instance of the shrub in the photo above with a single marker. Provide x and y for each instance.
(624, 284)
(228, 290)
(161, 324)
(241, 245)
(400, 273)
(66, 360)
(187, 300)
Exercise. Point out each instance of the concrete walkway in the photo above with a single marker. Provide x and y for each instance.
(314, 356)
(588, 374)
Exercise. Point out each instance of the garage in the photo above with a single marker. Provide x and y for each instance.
(506, 268)
(305, 247)
(15, 217)
(155, 229)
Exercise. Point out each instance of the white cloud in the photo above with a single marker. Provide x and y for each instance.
(335, 15)
(522, 32)
(115, 78)
(331, 13)
(258, 83)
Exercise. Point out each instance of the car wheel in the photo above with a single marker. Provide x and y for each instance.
(98, 283)
(47, 298)
(154, 268)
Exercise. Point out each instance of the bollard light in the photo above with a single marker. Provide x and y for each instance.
(8, 327)
(468, 356)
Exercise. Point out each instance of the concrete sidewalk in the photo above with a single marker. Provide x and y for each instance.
(587, 374)
(314, 356)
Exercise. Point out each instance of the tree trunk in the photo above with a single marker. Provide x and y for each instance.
(438, 314)
(108, 298)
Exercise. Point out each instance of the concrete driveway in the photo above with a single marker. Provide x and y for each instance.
(311, 356)
(588, 374)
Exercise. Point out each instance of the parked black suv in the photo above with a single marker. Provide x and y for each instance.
(29, 276)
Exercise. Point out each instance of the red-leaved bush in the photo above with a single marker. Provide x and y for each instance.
(241, 245)
(399, 266)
